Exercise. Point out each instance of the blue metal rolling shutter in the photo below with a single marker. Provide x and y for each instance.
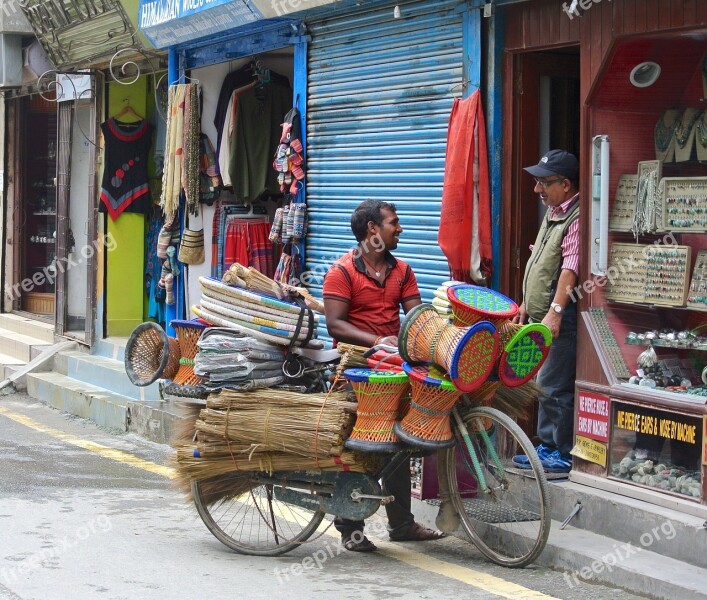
(379, 98)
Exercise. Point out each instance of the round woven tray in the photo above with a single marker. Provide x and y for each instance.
(472, 303)
(523, 354)
(148, 354)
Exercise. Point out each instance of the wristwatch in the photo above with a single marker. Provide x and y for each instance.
(556, 307)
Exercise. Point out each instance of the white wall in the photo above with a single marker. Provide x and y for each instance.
(210, 79)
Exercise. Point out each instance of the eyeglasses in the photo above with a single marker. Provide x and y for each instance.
(546, 184)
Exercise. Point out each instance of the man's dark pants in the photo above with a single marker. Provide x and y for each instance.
(556, 378)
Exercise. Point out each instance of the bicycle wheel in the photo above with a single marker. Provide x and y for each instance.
(510, 522)
(248, 517)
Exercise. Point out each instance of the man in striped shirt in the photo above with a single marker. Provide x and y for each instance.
(550, 276)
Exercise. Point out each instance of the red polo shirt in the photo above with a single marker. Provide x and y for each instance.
(373, 306)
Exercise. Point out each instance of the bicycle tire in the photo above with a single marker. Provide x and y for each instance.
(249, 519)
(511, 522)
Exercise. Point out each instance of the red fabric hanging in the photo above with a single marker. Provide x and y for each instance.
(465, 222)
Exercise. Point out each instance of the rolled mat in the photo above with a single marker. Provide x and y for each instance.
(239, 293)
(217, 319)
(277, 329)
(257, 310)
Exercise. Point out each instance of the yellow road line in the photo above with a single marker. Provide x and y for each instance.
(424, 562)
(106, 451)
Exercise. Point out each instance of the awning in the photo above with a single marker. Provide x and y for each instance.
(171, 22)
(79, 34)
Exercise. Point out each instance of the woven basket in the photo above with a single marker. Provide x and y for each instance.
(468, 354)
(427, 424)
(525, 348)
(471, 303)
(188, 333)
(150, 354)
(380, 396)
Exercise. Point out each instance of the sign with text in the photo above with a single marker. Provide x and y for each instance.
(590, 450)
(171, 22)
(593, 416)
(652, 422)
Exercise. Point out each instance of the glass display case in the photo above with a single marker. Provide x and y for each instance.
(37, 276)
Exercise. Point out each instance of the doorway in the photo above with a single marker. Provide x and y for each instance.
(546, 115)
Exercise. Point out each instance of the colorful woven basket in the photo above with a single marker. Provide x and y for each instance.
(427, 424)
(380, 397)
(472, 303)
(188, 333)
(468, 354)
(150, 354)
(525, 348)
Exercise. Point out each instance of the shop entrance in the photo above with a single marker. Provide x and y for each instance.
(546, 109)
(33, 289)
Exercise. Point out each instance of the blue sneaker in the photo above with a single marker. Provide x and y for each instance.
(521, 460)
(557, 462)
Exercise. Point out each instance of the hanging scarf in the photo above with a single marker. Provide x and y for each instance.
(181, 172)
(465, 220)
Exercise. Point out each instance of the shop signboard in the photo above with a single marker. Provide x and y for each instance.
(593, 416)
(171, 22)
(591, 427)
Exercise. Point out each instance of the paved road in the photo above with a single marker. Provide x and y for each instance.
(86, 513)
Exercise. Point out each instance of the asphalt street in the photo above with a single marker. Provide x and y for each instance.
(87, 513)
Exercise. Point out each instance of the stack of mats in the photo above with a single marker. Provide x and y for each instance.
(440, 300)
(229, 359)
(263, 317)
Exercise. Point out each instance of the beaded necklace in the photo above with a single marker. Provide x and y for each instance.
(682, 131)
(702, 130)
(664, 133)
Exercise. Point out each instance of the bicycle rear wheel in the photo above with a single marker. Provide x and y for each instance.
(247, 516)
(510, 522)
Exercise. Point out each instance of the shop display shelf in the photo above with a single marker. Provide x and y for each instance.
(660, 343)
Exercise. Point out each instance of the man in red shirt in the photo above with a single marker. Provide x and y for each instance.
(363, 293)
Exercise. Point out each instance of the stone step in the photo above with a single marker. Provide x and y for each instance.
(9, 364)
(29, 327)
(674, 531)
(111, 347)
(156, 421)
(103, 372)
(79, 398)
(19, 345)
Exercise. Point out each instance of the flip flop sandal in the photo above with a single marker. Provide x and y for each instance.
(361, 545)
(417, 533)
(296, 145)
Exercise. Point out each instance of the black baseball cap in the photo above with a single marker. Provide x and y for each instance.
(556, 162)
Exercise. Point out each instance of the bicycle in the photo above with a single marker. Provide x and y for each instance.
(503, 510)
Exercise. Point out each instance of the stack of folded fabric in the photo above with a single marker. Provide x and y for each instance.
(258, 315)
(440, 301)
(229, 359)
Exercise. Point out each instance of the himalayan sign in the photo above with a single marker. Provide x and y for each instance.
(170, 22)
(593, 416)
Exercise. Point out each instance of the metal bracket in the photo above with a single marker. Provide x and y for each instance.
(572, 515)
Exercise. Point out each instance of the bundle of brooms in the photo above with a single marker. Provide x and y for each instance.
(253, 280)
(266, 431)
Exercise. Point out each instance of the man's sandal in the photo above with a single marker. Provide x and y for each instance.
(357, 542)
(416, 533)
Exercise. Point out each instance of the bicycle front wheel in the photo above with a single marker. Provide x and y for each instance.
(248, 517)
(509, 521)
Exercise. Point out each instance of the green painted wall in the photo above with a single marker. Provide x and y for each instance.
(124, 292)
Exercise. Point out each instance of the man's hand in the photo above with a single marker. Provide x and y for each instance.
(553, 321)
(521, 316)
(389, 340)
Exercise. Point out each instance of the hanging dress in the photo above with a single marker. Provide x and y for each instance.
(125, 180)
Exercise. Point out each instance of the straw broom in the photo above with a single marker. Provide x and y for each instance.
(253, 280)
